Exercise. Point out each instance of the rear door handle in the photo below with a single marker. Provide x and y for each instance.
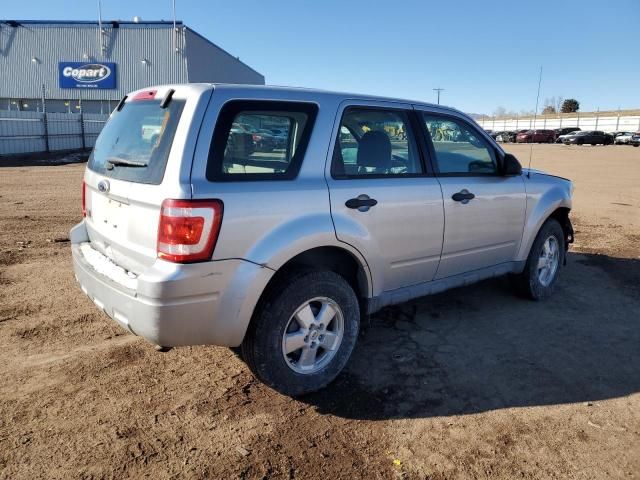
(463, 196)
(362, 203)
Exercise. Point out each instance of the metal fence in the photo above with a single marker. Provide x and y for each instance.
(587, 121)
(33, 132)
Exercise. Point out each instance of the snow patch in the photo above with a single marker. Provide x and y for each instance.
(106, 267)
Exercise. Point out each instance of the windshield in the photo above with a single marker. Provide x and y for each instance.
(134, 144)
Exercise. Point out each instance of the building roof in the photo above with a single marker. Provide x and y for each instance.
(92, 23)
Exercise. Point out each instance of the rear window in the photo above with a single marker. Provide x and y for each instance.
(245, 146)
(134, 144)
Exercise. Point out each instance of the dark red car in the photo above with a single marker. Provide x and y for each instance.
(536, 136)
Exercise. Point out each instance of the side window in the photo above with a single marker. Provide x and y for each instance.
(260, 140)
(459, 148)
(374, 141)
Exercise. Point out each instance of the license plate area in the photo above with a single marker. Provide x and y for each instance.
(110, 217)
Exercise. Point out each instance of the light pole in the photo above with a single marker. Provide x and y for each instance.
(438, 90)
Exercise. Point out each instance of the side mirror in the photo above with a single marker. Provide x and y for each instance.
(511, 166)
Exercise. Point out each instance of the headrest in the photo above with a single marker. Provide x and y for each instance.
(374, 150)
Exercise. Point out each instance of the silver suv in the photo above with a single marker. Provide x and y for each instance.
(275, 218)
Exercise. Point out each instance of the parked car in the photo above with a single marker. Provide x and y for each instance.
(536, 136)
(281, 137)
(506, 137)
(635, 139)
(265, 140)
(621, 138)
(194, 241)
(593, 137)
(561, 138)
(561, 132)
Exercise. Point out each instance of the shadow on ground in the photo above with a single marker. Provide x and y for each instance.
(481, 348)
(45, 159)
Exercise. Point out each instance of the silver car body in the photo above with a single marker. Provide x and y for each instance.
(416, 241)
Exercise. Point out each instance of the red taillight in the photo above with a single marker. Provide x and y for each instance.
(256, 138)
(84, 199)
(188, 229)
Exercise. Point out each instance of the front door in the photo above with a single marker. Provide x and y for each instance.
(484, 210)
(382, 200)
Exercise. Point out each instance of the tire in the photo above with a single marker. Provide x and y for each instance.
(531, 283)
(264, 346)
(636, 145)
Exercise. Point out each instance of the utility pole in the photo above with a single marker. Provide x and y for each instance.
(438, 90)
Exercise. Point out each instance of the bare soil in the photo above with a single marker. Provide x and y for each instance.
(472, 383)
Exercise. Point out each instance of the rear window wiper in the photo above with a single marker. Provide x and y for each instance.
(123, 162)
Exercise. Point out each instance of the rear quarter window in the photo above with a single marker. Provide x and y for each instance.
(134, 144)
(260, 140)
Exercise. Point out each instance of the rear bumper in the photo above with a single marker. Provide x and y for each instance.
(207, 303)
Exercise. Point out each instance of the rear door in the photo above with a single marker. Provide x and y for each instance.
(140, 158)
(484, 211)
(383, 201)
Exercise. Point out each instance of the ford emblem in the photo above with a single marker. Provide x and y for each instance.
(103, 186)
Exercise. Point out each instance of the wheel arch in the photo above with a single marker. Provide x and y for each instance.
(545, 203)
(338, 259)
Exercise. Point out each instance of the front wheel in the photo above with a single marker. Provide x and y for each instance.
(303, 333)
(540, 274)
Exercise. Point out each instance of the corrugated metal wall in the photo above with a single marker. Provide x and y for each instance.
(29, 57)
(206, 61)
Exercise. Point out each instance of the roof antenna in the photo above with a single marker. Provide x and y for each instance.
(535, 115)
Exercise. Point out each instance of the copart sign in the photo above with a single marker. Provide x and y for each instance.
(87, 75)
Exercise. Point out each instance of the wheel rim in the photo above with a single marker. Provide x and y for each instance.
(548, 261)
(313, 335)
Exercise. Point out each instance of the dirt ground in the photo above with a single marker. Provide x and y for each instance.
(473, 383)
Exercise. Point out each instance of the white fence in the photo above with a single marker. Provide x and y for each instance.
(590, 121)
(32, 132)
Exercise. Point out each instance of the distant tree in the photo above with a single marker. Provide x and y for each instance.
(570, 105)
(557, 102)
(549, 110)
(500, 112)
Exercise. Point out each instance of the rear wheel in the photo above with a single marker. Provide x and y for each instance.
(303, 333)
(540, 274)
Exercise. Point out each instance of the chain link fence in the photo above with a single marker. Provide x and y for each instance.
(33, 132)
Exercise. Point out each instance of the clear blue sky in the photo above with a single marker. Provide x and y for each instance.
(485, 54)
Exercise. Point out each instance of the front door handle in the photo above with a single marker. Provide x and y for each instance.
(463, 196)
(362, 203)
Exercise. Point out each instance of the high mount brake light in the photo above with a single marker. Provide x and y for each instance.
(145, 95)
(188, 230)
